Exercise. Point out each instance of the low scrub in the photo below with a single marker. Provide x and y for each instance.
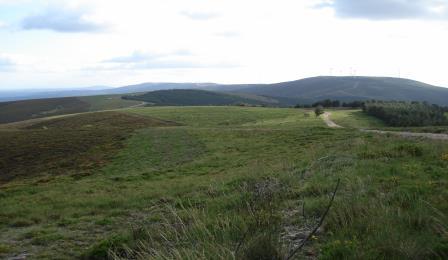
(68, 145)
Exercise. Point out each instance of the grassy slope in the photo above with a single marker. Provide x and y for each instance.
(355, 119)
(191, 97)
(107, 102)
(228, 170)
(68, 145)
(358, 119)
(38, 108)
(352, 88)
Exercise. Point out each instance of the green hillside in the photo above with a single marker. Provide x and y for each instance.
(350, 88)
(219, 183)
(37, 108)
(191, 97)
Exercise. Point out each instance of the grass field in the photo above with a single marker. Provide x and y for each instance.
(108, 102)
(355, 119)
(225, 183)
(194, 97)
(358, 119)
(39, 108)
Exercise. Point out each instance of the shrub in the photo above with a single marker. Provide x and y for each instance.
(319, 110)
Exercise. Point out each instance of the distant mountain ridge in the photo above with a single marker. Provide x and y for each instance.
(96, 90)
(351, 88)
(304, 91)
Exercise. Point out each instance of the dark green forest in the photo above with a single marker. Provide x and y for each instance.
(401, 113)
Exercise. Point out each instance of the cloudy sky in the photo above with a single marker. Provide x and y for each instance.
(61, 44)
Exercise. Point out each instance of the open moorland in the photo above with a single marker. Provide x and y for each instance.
(220, 183)
(14, 111)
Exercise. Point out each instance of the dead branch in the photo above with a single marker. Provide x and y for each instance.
(318, 225)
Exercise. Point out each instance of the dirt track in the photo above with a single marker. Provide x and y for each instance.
(409, 134)
(330, 123)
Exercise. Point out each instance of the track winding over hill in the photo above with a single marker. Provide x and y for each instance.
(331, 124)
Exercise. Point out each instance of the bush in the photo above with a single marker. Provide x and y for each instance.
(319, 110)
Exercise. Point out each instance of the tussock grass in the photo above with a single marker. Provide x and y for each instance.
(256, 179)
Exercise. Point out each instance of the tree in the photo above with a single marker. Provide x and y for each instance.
(401, 113)
(319, 110)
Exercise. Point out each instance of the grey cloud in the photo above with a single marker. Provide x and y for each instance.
(62, 20)
(173, 64)
(135, 57)
(181, 52)
(168, 64)
(388, 9)
(180, 59)
(6, 64)
(200, 15)
(141, 57)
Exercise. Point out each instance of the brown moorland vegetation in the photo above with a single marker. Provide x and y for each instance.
(68, 145)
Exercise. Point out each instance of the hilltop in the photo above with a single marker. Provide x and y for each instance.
(13, 111)
(306, 90)
(350, 88)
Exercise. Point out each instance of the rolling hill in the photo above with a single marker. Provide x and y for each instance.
(192, 97)
(350, 88)
(98, 90)
(306, 90)
(195, 182)
(13, 111)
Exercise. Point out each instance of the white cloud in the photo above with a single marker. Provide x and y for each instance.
(6, 63)
(199, 15)
(179, 59)
(268, 40)
(63, 19)
(227, 34)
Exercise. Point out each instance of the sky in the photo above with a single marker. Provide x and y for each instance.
(80, 43)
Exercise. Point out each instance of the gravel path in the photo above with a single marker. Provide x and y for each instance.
(409, 134)
(329, 122)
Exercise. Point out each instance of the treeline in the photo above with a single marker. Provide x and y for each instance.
(332, 103)
(401, 113)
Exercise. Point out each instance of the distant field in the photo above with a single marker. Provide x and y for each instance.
(355, 119)
(221, 183)
(98, 103)
(358, 119)
(191, 97)
(29, 109)
(37, 108)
